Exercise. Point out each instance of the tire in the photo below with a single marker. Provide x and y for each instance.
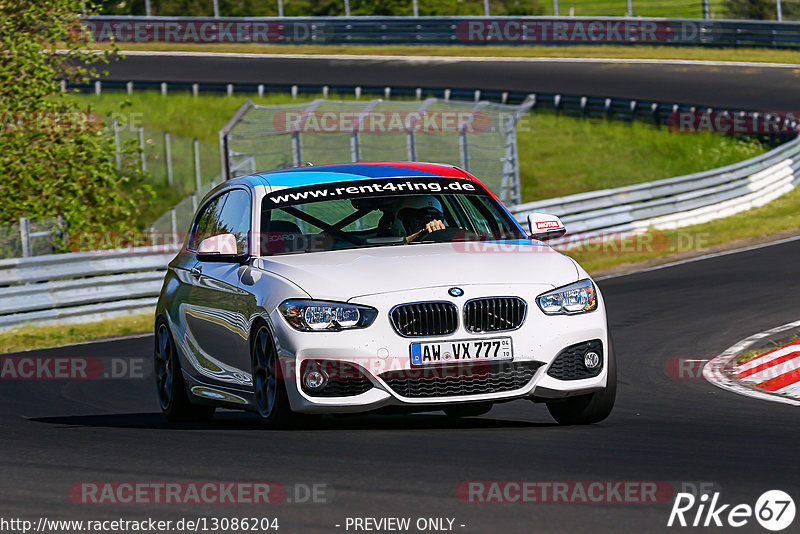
(269, 387)
(172, 395)
(467, 410)
(591, 408)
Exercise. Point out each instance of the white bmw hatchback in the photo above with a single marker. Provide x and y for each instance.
(383, 286)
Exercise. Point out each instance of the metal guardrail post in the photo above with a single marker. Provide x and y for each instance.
(62, 230)
(706, 11)
(216, 9)
(168, 153)
(555, 7)
(25, 236)
(280, 8)
(173, 223)
(142, 154)
(117, 155)
(779, 10)
(196, 153)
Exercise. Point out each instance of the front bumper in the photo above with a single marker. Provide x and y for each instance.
(379, 349)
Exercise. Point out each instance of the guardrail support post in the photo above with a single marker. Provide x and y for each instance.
(129, 87)
(779, 10)
(173, 223)
(196, 151)
(98, 88)
(25, 236)
(142, 155)
(555, 7)
(164, 88)
(195, 89)
(706, 11)
(117, 155)
(168, 154)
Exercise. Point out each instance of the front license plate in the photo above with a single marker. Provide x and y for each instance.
(470, 350)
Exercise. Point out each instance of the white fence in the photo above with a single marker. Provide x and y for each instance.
(80, 287)
(679, 201)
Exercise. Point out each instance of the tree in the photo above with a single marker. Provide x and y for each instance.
(54, 158)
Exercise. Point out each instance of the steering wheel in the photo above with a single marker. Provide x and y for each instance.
(438, 236)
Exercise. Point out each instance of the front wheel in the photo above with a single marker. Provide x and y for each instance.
(172, 394)
(268, 380)
(591, 408)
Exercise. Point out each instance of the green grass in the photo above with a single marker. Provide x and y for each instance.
(40, 337)
(641, 8)
(578, 51)
(750, 354)
(782, 214)
(564, 155)
(558, 155)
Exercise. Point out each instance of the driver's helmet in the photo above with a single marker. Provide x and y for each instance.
(413, 212)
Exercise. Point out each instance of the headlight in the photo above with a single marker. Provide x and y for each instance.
(579, 297)
(312, 315)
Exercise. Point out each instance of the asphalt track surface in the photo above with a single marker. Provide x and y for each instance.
(747, 86)
(57, 433)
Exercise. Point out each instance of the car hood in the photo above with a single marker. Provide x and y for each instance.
(346, 274)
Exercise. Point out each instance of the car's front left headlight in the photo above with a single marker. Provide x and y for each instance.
(579, 297)
(318, 316)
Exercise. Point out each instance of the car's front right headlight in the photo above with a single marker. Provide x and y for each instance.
(579, 297)
(319, 316)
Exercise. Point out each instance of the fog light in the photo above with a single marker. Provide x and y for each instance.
(314, 379)
(591, 360)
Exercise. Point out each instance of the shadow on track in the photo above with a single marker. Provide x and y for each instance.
(247, 422)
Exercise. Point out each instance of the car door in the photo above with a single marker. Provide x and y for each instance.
(216, 327)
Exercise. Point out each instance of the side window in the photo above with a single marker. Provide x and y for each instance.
(207, 222)
(235, 218)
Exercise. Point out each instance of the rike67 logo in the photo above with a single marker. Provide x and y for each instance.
(774, 510)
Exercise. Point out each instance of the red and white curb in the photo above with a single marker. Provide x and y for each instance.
(773, 376)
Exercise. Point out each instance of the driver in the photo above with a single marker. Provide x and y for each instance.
(419, 215)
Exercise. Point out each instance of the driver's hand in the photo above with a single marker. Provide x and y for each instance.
(432, 226)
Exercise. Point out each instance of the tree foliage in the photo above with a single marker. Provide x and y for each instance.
(54, 159)
(306, 8)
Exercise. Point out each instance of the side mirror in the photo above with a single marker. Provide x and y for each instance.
(543, 226)
(219, 248)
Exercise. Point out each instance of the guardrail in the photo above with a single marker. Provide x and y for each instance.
(82, 286)
(447, 30)
(675, 202)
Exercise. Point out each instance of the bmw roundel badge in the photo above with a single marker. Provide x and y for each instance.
(455, 292)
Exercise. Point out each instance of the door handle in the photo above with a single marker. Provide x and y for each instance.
(197, 271)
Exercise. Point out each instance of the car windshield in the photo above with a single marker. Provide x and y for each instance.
(389, 212)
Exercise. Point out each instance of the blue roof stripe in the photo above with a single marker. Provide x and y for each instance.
(337, 173)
